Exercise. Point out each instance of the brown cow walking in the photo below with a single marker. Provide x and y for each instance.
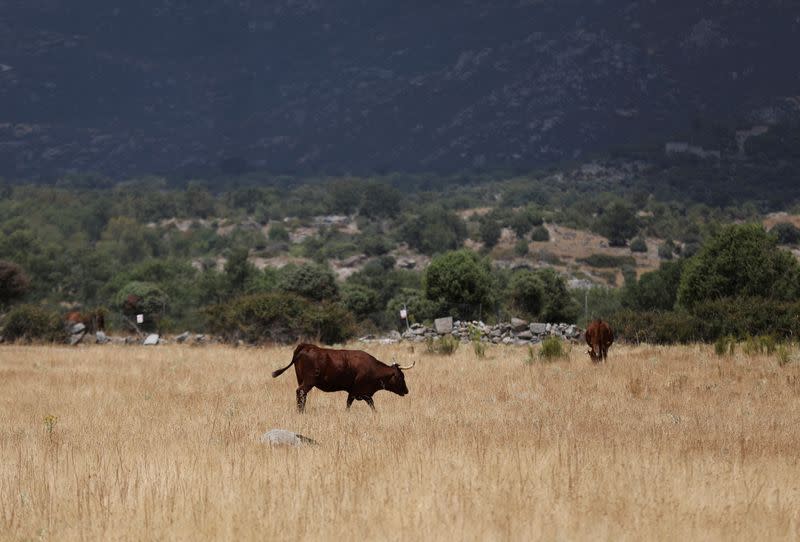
(353, 371)
(599, 337)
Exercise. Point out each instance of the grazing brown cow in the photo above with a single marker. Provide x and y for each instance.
(599, 338)
(353, 371)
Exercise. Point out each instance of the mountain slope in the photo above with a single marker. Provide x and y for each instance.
(305, 85)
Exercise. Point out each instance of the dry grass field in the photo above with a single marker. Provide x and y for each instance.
(131, 443)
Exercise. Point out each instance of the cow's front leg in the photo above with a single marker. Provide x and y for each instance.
(350, 399)
(368, 400)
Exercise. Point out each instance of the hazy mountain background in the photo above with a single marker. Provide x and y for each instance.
(370, 86)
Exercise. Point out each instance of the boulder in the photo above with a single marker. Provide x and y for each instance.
(101, 338)
(525, 335)
(151, 340)
(77, 328)
(76, 338)
(518, 324)
(443, 325)
(282, 437)
(538, 329)
(182, 337)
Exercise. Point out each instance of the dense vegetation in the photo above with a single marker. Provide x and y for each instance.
(193, 257)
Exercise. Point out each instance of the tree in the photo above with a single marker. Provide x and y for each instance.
(433, 230)
(460, 281)
(380, 200)
(278, 233)
(238, 271)
(14, 283)
(558, 305)
(617, 224)
(312, 281)
(786, 232)
(638, 244)
(740, 261)
(522, 221)
(656, 290)
(360, 300)
(489, 231)
(527, 292)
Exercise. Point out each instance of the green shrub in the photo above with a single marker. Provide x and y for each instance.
(608, 260)
(280, 317)
(32, 323)
(443, 346)
(278, 233)
(725, 346)
(552, 349)
(656, 327)
(786, 232)
(638, 244)
(521, 248)
(540, 233)
(762, 344)
(784, 355)
(666, 250)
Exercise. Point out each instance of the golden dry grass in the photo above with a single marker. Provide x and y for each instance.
(129, 443)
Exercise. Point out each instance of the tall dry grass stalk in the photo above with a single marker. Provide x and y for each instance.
(106, 443)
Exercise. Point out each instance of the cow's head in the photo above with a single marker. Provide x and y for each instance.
(593, 354)
(397, 380)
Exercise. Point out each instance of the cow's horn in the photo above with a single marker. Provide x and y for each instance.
(409, 367)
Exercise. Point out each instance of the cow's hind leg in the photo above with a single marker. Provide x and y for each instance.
(350, 399)
(302, 393)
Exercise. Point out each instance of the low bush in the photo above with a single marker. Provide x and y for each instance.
(763, 344)
(725, 346)
(280, 317)
(552, 349)
(540, 233)
(608, 260)
(32, 323)
(443, 346)
(638, 244)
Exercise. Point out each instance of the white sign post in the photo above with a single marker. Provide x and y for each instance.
(140, 318)
(404, 316)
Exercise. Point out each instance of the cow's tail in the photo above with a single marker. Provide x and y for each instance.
(278, 372)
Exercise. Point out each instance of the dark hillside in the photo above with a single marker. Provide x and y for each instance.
(169, 85)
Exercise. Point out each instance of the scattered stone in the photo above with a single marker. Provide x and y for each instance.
(101, 338)
(182, 337)
(151, 340)
(282, 437)
(443, 325)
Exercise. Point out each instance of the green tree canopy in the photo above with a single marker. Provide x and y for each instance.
(656, 290)
(460, 281)
(527, 292)
(14, 283)
(558, 305)
(617, 224)
(434, 230)
(740, 261)
(312, 281)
